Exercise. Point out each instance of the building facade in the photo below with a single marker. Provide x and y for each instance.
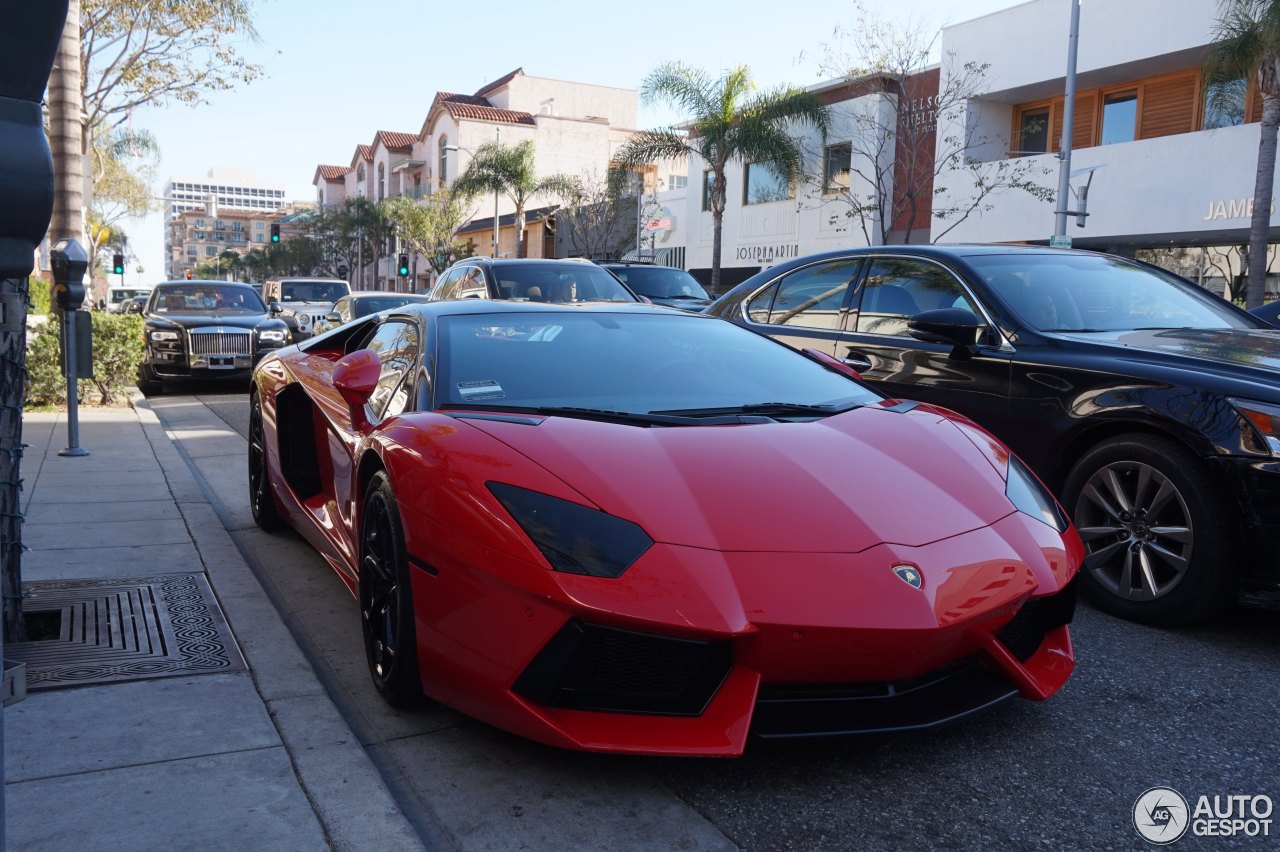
(194, 237)
(221, 191)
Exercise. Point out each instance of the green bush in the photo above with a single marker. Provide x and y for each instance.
(38, 296)
(117, 351)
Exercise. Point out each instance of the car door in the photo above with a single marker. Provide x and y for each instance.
(805, 308)
(876, 341)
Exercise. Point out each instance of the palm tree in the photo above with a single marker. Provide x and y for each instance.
(729, 123)
(1247, 43)
(66, 132)
(508, 169)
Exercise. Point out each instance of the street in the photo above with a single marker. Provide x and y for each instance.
(1191, 709)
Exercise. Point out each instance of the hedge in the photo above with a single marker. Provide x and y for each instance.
(117, 351)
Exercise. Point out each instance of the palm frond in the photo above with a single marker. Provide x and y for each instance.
(686, 88)
(649, 146)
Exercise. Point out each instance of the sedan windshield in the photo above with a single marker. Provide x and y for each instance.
(206, 299)
(634, 364)
(660, 282)
(1080, 292)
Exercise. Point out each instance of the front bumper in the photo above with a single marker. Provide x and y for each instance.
(172, 365)
(691, 651)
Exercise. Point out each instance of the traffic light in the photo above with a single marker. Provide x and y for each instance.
(190, 275)
(404, 265)
(117, 264)
(275, 233)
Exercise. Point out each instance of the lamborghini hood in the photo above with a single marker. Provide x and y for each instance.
(837, 485)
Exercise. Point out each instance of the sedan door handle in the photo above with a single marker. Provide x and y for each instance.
(857, 362)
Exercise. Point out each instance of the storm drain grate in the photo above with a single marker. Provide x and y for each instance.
(126, 629)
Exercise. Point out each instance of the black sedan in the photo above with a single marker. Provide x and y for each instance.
(662, 285)
(1269, 312)
(1151, 406)
(205, 330)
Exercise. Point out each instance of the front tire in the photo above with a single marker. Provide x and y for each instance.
(1158, 530)
(386, 598)
(148, 383)
(262, 502)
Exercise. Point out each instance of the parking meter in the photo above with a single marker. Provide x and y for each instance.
(69, 261)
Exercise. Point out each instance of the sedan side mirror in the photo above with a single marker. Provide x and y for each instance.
(274, 307)
(355, 377)
(956, 327)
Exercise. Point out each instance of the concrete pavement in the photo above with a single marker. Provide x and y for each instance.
(255, 758)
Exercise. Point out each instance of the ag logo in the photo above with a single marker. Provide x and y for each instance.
(1160, 815)
(909, 575)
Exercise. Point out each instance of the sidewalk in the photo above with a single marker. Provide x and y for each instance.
(152, 753)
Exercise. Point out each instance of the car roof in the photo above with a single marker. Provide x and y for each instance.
(503, 261)
(501, 306)
(380, 294)
(196, 281)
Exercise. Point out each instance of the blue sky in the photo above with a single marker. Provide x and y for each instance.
(336, 72)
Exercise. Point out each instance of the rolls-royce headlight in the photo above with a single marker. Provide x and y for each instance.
(164, 335)
(271, 336)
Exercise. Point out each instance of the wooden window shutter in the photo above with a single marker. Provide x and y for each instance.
(1168, 106)
(1082, 122)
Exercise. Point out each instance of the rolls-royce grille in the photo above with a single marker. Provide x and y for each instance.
(220, 342)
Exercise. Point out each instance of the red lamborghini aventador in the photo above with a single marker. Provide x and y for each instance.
(629, 529)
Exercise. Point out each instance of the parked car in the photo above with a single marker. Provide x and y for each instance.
(136, 305)
(1269, 312)
(530, 280)
(304, 301)
(737, 538)
(361, 305)
(205, 330)
(662, 285)
(119, 297)
(1150, 405)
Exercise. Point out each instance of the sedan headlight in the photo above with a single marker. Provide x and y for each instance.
(573, 538)
(157, 336)
(1031, 498)
(1265, 420)
(271, 336)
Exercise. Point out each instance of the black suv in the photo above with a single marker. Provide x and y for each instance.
(662, 285)
(530, 280)
(206, 330)
(1151, 406)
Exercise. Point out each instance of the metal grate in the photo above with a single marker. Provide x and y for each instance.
(220, 342)
(126, 629)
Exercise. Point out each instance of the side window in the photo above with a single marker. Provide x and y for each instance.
(397, 346)
(472, 285)
(447, 288)
(896, 289)
(809, 297)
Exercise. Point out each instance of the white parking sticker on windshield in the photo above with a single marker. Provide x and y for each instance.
(480, 389)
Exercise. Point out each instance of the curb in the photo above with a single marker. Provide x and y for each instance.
(345, 789)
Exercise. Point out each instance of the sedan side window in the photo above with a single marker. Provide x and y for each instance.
(445, 287)
(473, 286)
(896, 289)
(397, 346)
(810, 297)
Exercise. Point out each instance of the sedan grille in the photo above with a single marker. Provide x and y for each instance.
(220, 342)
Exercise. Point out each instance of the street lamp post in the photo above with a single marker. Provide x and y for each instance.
(1068, 122)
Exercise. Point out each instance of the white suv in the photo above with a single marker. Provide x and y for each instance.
(304, 300)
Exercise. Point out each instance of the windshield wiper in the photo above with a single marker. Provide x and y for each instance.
(606, 415)
(768, 409)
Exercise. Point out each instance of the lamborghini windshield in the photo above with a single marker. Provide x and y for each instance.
(629, 363)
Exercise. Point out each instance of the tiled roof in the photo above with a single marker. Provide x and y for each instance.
(334, 172)
(475, 107)
(498, 83)
(364, 151)
(392, 141)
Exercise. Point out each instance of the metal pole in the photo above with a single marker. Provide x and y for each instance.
(497, 139)
(1068, 120)
(73, 447)
(639, 204)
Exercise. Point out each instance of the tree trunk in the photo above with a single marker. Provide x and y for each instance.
(1264, 187)
(66, 133)
(717, 227)
(518, 223)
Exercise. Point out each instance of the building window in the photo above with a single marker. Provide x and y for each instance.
(762, 184)
(382, 181)
(708, 183)
(444, 157)
(837, 162)
(200, 224)
(258, 238)
(1224, 104)
(1119, 117)
(191, 250)
(237, 226)
(1033, 132)
(200, 236)
(259, 225)
(677, 181)
(210, 251)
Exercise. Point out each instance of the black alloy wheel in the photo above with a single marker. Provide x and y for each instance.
(386, 598)
(1157, 530)
(262, 502)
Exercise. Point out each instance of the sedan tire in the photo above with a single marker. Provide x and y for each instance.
(386, 598)
(1158, 530)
